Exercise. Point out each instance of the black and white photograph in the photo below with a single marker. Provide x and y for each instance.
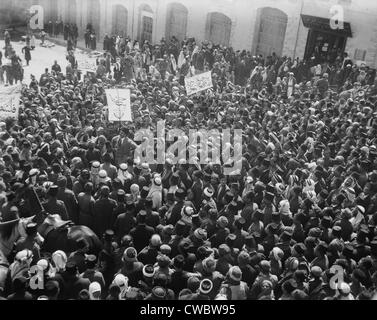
(188, 151)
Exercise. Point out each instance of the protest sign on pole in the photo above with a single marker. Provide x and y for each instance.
(9, 101)
(198, 83)
(119, 105)
(86, 64)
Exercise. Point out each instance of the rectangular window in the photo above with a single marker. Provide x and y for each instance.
(147, 29)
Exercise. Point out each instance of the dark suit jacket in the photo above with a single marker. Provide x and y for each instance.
(70, 201)
(176, 213)
(141, 235)
(102, 215)
(197, 189)
(124, 224)
(221, 191)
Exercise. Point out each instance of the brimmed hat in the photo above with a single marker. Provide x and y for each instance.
(159, 293)
(193, 283)
(200, 234)
(224, 249)
(243, 258)
(163, 260)
(265, 265)
(11, 215)
(222, 222)
(179, 262)
(235, 273)
(209, 264)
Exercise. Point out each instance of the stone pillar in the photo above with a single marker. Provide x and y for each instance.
(159, 31)
(291, 35)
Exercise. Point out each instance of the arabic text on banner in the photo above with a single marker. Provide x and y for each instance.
(87, 65)
(9, 101)
(119, 105)
(198, 83)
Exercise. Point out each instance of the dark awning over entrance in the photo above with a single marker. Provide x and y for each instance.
(323, 24)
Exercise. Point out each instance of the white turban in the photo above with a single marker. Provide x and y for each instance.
(60, 260)
(93, 288)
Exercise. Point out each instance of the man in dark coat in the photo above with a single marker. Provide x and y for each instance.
(55, 206)
(87, 39)
(175, 215)
(26, 50)
(197, 189)
(106, 43)
(142, 233)
(149, 254)
(73, 282)
(125, 222)
(66, 32)
(68, 197)
(103, 212)
(323, 85)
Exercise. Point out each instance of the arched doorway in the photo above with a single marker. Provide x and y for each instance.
(120, 16)
(218, 28)
(94, 16)
(176, 21)
(70, 11)
(145, 23)
(271, 33)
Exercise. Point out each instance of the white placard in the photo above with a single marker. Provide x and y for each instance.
(86, 64)
(9, 101)
(198, 83)
(119, 105)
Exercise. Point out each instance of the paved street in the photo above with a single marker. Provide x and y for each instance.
(41, 58)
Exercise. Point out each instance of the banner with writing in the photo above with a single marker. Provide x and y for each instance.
(119, 105)
(9, 101)
(87, 64)
(198, 83)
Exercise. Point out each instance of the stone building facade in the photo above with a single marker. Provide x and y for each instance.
(287, 27)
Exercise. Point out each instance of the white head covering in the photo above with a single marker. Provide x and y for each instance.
(285, 208)
(121, 281)
(60, 260)
(94, 287)
(135, 189)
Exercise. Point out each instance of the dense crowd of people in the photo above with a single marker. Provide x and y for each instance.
(300, 213)
(181, 59)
